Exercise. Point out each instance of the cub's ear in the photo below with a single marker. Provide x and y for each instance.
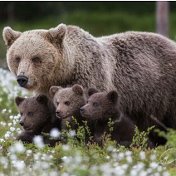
(57, 34)
(9, 35)
(78, 89)
(91, 91)
(53, 90)
(113, 96)
(43, 99)
(19, 100)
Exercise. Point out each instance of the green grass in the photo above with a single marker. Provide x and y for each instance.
(74, 157)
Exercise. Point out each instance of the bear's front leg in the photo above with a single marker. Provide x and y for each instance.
(26, 137)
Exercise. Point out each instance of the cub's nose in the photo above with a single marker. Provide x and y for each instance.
(58, 113)
(22, 80)
(82, 110)
(21, 123)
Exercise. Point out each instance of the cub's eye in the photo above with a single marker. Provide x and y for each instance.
(17, 59)
(30, 113)
(21, 113)
(67, 103)
(36, 60)
(95, 104)
(57, 103)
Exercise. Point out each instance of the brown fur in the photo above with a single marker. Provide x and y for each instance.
(37, 117)
(100, 108)
(139, 65)
(68, 102)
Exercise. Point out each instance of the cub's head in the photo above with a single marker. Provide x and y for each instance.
(100, 105)
(34, 112)
(67, 100)
(34, 55)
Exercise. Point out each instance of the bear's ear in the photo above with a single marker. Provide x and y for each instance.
(19, 100)
(91, 91)
(43, 99)
(113, 96)
(78, 89)
(53, 90)
(9, 35)
(57, 34)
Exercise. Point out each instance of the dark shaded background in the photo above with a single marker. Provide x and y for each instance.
(99, 18)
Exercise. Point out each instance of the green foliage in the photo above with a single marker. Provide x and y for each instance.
(140, 139)
(76, 157)
(171, 138)
(5, 102)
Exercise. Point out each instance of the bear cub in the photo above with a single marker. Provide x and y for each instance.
(68, 102)
(37, 117)
(100, 108)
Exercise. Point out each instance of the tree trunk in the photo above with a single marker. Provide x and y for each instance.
(162, 17)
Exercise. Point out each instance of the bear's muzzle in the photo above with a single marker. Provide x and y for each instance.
(22, 80)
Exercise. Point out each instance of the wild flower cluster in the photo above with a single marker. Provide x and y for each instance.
(8, 85)
(70, 159)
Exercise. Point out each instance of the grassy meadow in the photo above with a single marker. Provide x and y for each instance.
(75, 158)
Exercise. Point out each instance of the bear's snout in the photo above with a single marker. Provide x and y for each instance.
(21, 123)
(58, 113)
(82, 110)
(22, 80)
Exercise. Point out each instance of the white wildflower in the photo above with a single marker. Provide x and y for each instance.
(129, 159)
(166, 173)
(38, 141)
(142, 155)
(19, 165)
(54, 173)
(28, 152)
(72, 133)
(18, 147)
(65, 147)
(55, 133)
(153, 157)
(4, 110)
(153, 165)
(128, 153)
(12, 129)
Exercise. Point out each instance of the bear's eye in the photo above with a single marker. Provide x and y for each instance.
(17, 59)
(67, 103)
(30, 113)
(21, 113)
(36, 60)
(95, 104)
(57, 103)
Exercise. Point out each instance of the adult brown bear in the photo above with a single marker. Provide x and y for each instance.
(141, 66)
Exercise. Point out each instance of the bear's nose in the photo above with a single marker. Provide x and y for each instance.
(21, 123)
(22, 80)
(82, 110)
(58, 113)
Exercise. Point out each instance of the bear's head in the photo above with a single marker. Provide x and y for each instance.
(67, 101)
(34, 111)
(101, 105)
(35, 56)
